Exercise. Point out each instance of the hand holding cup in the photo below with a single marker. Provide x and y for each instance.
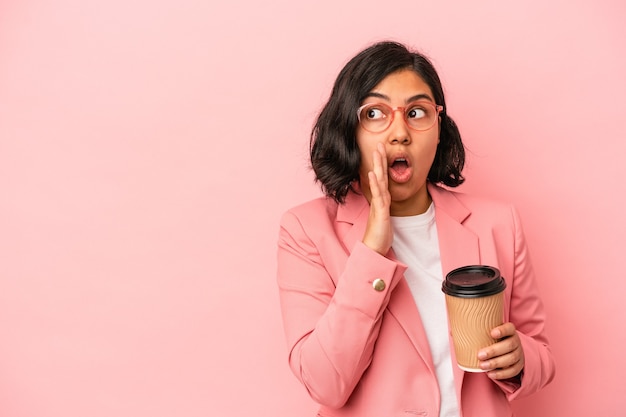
(505, 358)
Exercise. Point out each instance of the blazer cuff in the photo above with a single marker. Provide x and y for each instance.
(368, 280)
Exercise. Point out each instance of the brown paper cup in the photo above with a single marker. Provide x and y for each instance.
(474, 300)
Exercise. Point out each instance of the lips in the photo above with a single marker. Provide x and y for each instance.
(399, 169)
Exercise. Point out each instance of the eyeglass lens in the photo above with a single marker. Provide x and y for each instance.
(378, 117)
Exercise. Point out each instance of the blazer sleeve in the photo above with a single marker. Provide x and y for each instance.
(527, 313)
(331, 322)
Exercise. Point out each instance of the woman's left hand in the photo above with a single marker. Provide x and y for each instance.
(505, 358)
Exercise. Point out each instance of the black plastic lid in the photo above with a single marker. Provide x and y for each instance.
(473, 281)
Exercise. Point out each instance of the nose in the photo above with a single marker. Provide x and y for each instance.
(398, 130)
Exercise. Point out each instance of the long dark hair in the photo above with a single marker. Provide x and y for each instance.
(335, 156)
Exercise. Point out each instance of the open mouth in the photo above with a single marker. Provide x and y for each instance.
(400, 169)
(400, 164)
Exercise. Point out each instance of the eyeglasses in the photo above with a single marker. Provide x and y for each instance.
(419, 115)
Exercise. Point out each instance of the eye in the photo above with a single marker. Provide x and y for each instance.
(374, 113)
(417, 112)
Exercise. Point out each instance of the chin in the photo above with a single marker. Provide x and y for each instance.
(403, 197)
(407, 192)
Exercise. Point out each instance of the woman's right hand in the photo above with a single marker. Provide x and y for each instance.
(378, 233)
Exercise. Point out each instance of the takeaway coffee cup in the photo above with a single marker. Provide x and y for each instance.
(474, 299)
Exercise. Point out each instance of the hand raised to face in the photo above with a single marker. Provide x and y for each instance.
(378, 234)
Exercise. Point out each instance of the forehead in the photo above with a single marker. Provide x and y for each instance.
(402, 84)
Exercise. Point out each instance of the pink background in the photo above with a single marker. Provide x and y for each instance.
(148, 149)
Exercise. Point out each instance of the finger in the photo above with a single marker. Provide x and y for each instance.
(502, 331)
(506, 373)
(383, 155)
(502, 347)
(506, 356)
(378, 235)
(382, 161)
(507, 366)
(381, 198)
(377, 160)
(374, 190)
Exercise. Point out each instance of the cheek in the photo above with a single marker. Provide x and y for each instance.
(436, 144)
(366, 154)
(435, 141)
(428, 151)
(427, 143)
(366, 165)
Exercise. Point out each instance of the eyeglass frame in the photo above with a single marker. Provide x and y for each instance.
(438, 109)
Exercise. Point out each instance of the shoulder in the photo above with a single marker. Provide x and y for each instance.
(447, 195)
(479, 203)
(318, 213)
(472, 207)
(323, 217)
(316, 209)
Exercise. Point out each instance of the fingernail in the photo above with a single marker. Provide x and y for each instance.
(482, 355)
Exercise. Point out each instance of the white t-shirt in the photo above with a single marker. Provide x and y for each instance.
(416, 244)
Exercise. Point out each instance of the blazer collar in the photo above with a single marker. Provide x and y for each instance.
(447, 201)
(457, 244)
(355, 212)
(356, 207)
(353, 207)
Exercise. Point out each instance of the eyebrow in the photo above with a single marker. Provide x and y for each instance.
(409, 100)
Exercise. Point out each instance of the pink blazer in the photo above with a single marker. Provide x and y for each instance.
(360, 352)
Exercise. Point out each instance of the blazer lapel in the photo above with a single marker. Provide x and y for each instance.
(352, 219)
(402, 307)
(458, 247)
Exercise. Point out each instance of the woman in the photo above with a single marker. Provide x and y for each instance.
(360, 270)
